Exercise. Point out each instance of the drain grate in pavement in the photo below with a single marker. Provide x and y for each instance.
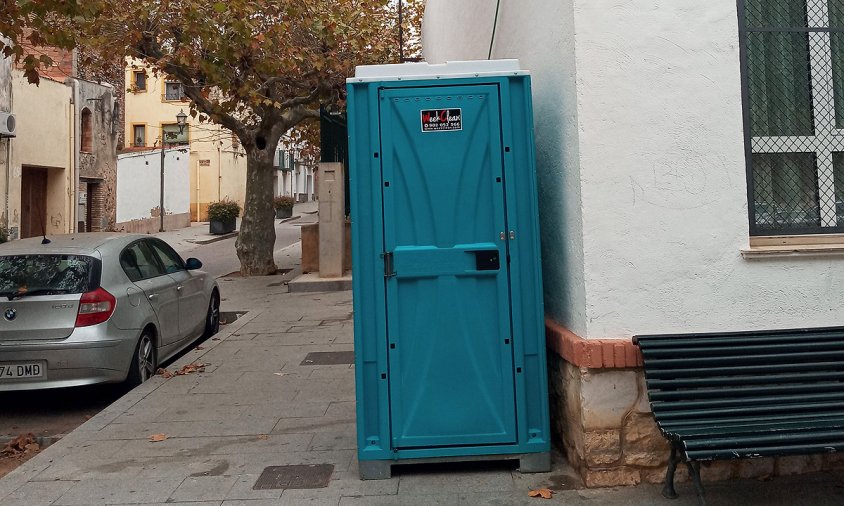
(227, 317)
(296, 476)
(329, 358)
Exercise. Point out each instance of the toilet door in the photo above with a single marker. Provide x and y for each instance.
(446, 267)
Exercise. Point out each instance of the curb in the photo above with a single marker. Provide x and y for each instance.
(193, 355)
(221, 237)
(43, 441)
(305, 284)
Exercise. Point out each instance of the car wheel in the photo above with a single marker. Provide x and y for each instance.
(212, 319)
(143, 361)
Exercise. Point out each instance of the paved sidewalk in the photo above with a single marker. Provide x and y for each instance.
(257, 405)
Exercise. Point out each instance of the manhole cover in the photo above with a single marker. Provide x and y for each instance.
(329, 358)
(227, 317)
(297, 476)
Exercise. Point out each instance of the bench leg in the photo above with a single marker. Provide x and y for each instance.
(694, 470)
(668, 490)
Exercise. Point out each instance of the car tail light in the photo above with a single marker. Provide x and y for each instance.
(95, 307)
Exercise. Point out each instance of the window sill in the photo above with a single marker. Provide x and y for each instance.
(794, 245)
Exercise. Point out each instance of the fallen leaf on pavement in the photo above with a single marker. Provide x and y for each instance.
(200, 348)
(215, 338)
(156, 438)
(263, 436)
(165, 373)
(191, 368)
(542, 492)
(21, 445)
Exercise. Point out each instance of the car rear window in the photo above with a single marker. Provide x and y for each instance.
(46, 274)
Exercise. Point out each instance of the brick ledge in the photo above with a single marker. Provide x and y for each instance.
(591, 353)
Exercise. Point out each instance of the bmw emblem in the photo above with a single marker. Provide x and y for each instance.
(10, 314)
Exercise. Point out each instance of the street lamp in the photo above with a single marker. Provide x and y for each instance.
(181, 120)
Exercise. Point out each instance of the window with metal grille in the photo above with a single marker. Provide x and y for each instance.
(793, 95)
(140, 78)
(173, 91)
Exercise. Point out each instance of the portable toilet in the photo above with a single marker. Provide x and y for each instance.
(449, 332)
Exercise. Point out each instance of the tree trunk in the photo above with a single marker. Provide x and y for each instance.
(257, 228)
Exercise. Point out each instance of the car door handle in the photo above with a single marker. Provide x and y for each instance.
(153, 296)
(179, 288)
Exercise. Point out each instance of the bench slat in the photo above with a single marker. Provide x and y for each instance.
(819, 331)
(756, 359)
(692, 424)
(741, 430)
(740, 393)
(694, 372)
(746, 410)
(681, 342)
(768, 451)
(809, 436)
(770, 400)
(743, 350)
(746, 379)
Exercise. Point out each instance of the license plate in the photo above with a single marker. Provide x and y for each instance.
(14, 371)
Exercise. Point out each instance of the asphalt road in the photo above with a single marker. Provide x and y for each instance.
(53, 413)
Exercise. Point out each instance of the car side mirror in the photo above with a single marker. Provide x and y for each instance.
(193, 264)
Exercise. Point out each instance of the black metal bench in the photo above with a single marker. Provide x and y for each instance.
(745, 395)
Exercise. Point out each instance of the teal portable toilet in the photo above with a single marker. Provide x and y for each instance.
(449, 332)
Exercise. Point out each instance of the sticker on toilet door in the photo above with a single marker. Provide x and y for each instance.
(442, 120)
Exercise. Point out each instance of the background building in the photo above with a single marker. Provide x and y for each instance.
(58, 169)
(39, 179)
(217, 165)
(97, 114)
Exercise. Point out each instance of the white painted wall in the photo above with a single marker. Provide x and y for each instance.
(651, 146)
(303, 181)
(138, 183)
(539, 35)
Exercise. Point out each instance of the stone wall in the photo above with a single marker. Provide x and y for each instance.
(152, 224)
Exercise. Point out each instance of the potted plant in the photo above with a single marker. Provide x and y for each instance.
(222, 216)
(283, 206)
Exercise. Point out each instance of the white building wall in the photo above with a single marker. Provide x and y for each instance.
(303, 182)
(658, 154)
(539, 34)
(139, 179)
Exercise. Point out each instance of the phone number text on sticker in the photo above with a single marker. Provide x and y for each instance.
(442, 120)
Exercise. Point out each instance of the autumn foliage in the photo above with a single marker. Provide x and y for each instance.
(258, 68)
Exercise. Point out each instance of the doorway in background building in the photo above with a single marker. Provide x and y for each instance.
(33, 202)
(90, 206)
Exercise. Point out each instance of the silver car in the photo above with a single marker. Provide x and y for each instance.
(97, 308)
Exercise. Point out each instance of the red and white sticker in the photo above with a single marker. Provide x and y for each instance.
(442, 120)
